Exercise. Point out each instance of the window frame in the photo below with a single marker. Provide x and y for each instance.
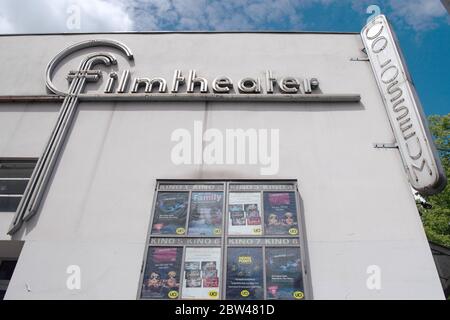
(5, 283)
(301, 236)
(28, 179)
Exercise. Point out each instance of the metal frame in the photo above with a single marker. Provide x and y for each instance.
(5, 283)
(301, 236)
(147, 242)
(37, 186)
(304, 251)
(192, 97)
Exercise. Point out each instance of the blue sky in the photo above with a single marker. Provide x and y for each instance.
(422, 26)
(426, 47)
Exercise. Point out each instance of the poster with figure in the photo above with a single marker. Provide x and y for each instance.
(162, 273)
(280, 213)
(284, 274)
(244, 213)
(170, 213)
(206, 211)
(244, 274)
(201, 274)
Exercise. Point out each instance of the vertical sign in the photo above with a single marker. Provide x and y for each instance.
(405, 113)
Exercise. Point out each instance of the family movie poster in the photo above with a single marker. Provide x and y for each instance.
(244, 213)
(162, 274)
(170, 213)
(205, 217)
(280, 213)
(201, 273)
(283, 274)
(245, 273)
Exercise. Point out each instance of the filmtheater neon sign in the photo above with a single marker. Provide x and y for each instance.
(220, 85)
(120, 83)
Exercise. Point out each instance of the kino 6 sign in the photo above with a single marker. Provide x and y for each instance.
(403, 107)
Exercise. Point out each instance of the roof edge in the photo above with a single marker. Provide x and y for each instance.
(175, 32)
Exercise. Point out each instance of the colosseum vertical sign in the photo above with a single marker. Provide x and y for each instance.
(403, 107)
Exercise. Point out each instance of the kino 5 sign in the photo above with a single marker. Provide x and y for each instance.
(403, 108)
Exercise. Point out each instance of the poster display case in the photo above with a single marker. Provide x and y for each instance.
(225, 240)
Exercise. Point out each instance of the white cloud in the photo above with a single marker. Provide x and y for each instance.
(215, 14)
(41, 16)
(5, 25)
(45, 16)
(106, 15)
(263, 14)
(418, 14)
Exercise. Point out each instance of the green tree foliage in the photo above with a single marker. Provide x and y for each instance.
(436, 220)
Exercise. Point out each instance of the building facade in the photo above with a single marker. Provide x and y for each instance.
(213, 166)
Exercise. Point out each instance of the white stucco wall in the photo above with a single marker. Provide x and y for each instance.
(356, 199)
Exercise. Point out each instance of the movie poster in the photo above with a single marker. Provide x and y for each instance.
(280, 213)
(244, 213)
(162, 273)
(245, 273)
(170, 213)
(205, 218)
(201, 275)
(284, 274)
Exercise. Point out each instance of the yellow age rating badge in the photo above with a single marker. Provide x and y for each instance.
(293, 231)
(173, 294)
(257, 231)
(213, 294)
(298, 295)
(245, 293)
(180, 231)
